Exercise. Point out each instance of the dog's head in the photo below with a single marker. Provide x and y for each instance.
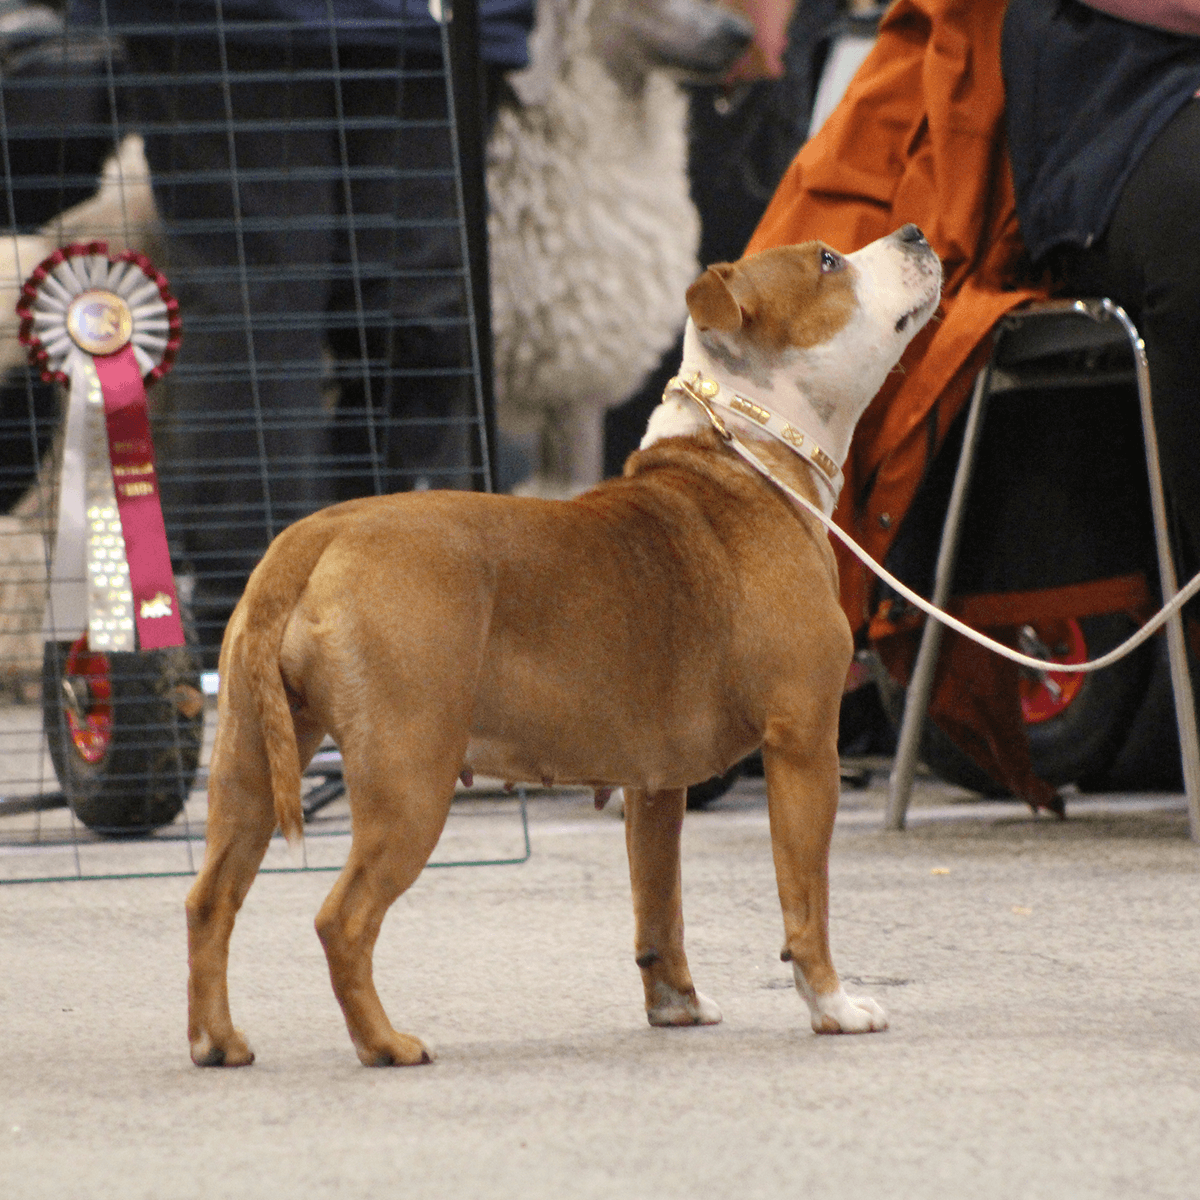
(807, 320)
(694, 40)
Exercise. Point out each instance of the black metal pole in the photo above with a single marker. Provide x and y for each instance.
(470, 104)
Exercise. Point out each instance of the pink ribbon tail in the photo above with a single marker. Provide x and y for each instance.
(135, 481)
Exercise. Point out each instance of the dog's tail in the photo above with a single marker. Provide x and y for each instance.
(271, 595)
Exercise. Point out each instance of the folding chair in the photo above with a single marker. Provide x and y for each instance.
(1026, 344)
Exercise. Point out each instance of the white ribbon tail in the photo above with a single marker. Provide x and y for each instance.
(67, 608)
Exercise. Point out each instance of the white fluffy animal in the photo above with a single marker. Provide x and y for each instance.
(593, 233)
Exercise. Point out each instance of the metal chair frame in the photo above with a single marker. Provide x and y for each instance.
(1023, 339)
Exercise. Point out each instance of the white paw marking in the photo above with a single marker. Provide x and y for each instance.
(835, 1012)
(202, 1047)
(674, 1008)
(207, 1053)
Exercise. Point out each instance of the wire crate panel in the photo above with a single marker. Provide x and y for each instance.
(42, 840)
(312, 190)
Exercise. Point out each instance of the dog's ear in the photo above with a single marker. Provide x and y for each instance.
(712, 304)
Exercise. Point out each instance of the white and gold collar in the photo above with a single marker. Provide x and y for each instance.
(710, 395)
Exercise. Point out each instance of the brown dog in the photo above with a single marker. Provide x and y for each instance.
(648, 634)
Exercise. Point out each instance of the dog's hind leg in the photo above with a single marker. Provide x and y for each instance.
(398, 810)
(241, 820)
(802, 799)
(653, 821)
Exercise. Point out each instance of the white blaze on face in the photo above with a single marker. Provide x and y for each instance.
(899, 284)
(897, 287)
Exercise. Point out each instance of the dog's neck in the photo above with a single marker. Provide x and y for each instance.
(680, 415)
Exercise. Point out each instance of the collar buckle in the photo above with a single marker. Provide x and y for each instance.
(702, 391)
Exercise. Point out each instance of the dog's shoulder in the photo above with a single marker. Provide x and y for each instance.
(703, 465)
(737, 500)
(698, 450)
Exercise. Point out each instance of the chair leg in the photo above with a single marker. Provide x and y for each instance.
(1181, 682)
(920, 686)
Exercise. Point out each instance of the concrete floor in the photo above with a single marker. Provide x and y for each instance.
(1040, 977)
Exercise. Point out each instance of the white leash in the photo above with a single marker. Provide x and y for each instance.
(707, 397)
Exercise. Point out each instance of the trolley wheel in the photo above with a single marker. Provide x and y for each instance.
(124, 731)
(1076, 724)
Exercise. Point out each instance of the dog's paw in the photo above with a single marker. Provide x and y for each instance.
(835, 1012)
(677, 1008)
(234, 1052)
(398, 1050)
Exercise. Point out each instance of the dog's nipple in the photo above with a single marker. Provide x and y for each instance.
(602, 797)
(467, 777)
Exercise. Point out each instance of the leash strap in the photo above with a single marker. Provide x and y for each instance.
(1038, 664)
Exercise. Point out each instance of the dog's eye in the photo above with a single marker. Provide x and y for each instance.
(831, 261)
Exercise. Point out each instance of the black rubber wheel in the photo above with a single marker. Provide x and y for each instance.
(124, 732)
(1076, 724)
(701, 795)
(1149, 760)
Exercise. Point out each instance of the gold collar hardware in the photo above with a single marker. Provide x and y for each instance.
(707, 393)
(703, 390)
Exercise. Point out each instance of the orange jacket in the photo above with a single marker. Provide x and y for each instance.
(919, 136)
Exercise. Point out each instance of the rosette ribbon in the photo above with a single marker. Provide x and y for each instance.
(104, 325)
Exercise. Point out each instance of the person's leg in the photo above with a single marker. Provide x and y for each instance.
(1149, 262)
(407, 399)
(248, 241)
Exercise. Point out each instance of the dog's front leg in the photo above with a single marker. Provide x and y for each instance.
(653, 821)
(802, 798)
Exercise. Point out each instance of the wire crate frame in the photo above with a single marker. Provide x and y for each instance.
(465, 130)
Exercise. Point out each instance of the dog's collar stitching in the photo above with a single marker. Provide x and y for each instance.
(706, 392)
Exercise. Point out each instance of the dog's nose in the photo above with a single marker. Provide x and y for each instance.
(911, 234)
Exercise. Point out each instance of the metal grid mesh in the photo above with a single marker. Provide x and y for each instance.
(312, 190)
